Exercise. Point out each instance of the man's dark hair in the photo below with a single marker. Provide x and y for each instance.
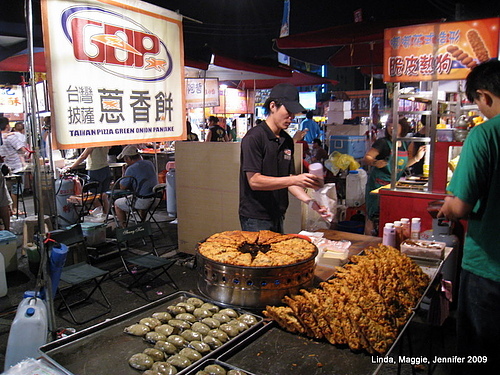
(309, 115)
(485, 76)
(18, 126)
(267, 105)
(4, 122)
(317, 141)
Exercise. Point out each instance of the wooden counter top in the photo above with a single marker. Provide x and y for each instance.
(359, 242)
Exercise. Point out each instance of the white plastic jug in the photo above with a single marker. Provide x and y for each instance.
(355, 188)
(28, 331)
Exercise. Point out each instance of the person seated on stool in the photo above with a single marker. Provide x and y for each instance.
(145, 174)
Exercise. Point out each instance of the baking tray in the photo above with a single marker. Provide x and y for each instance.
(297, 354)
(272, 350)
(104, 349)
(223, 364)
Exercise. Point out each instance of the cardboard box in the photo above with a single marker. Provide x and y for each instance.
(338, 117)
(339, 106)
(347, 129)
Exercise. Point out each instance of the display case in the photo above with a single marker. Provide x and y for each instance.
(440, 107)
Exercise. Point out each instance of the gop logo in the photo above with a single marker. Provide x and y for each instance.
(116, 44)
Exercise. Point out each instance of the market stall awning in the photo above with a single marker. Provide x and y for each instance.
(297, 79)
(350, 42)
(249, 75)
(20, 61)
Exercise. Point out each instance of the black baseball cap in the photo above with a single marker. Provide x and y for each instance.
(288, 95)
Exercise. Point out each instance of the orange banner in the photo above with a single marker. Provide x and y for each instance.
(439, 51)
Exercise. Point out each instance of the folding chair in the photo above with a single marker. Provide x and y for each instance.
(78, 276)
(158, 192)
(142, 265)
(116, 192)
(84, 203)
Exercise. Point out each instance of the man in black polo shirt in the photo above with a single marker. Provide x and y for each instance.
(267, 170)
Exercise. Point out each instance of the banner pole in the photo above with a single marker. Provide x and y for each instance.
(35, 131)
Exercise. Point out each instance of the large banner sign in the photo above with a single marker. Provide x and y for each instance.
(116, 72)
(440, 51)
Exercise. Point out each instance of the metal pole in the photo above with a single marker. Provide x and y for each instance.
(35, 131)
(395, 121)
(370, 113)
(156, 157)
(203, 130)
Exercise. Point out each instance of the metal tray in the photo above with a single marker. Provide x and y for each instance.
(432, 268)
(105, 349)
(272, 350)
(207, 362)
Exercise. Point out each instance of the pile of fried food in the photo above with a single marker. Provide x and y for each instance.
(256, 249)
(363, 306)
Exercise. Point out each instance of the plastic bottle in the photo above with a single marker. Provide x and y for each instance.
(389, 235)
(3, 277)
(398, 228)
(355, 188)
(415, 228)
(33, 257)
(28, 331)
(405, 223)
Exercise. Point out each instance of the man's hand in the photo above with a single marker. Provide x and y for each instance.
(299, 135)
(308, 180)
(454, 208)
(323, 211)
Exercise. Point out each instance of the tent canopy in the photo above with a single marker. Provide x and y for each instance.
(342, 46)
(20, 61)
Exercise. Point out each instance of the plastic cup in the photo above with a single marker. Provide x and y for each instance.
(317, 170)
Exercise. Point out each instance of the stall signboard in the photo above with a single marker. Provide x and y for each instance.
(233, 101)
(11, 99)
(360, 101)
(116, 72)
(439, 51)
(195, 87)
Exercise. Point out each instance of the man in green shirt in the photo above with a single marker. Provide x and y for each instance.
(475, 187)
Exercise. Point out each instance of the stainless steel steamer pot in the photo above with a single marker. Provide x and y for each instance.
(252, 287)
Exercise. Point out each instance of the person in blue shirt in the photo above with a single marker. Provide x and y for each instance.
(146, 177)
(312, 127)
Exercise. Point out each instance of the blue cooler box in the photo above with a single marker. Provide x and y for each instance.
(354, 145)
(8, 248)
